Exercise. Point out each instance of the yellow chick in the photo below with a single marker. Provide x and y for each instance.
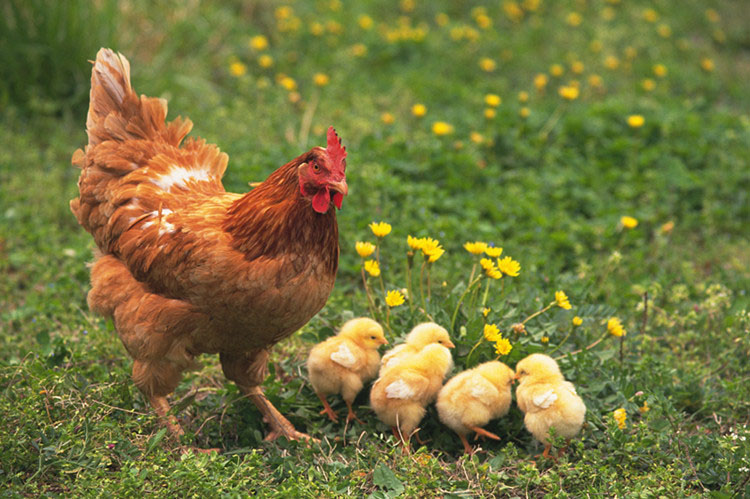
(472, 398)
(547, 400)
(422, 335)
(401, 395)
(343, 363)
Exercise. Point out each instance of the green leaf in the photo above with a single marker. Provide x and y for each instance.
(385, 478)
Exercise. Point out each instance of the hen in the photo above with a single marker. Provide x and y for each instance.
(184, 267)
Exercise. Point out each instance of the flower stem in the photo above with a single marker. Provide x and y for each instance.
(421, 287)
(409, 261)
(370, 301)
(539, 312)
(606, 333)
(468, 356)
(486, 293)
(460, 300)
(563, 341)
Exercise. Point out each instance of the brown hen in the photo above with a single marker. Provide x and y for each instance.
(184, 267)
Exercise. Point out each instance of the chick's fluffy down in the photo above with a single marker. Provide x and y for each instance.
(419, 337)
(400, 396)
(343, 363)
(474, 397)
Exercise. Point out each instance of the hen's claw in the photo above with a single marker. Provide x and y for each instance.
(280, 426)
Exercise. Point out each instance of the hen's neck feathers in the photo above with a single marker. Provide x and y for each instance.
(274, 219)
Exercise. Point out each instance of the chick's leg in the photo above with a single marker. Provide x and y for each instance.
(467, 448)
(327, 408)
(483, 433)
(350, 416)
(248, 370)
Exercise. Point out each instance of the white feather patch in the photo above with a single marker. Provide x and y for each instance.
(546, 399)
(343, 356)
(479, 391)
(179, 176)
(399, 389)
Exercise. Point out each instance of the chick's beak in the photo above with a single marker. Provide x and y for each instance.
(516, 377)
(450, 344)
(383, 341)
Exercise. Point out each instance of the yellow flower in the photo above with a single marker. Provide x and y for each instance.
(442, 128)
(259, 42)
(574, 19)
(365, 21)
(540, 81)
(620, 417)
(664, 30)
(492, 100)
(486, 311)
(317, 29)
(636, 121)
(562, 301)
(493, 251)
(364, 249)
(476, 137)
(650, 15)
(237, 69)
(577, 321)
(595, 81)
(648, 84)
(490, 269)
(545, 340)
(321, 79)
(487, 64)
(556, 70)
(284, 12)
(359, 50)
(508, 266)
(407, 5)
(442, 19)
(707, 64)
(614, 326)
(490, 113)
(491, 332)
(387, 118)
(433, 253)
(512, 10)
(660, 70)
(372, 267)
(629, 222)
(524, 112)
(265, 61)
(577, 67)
(568, 92)
(667, 227)
(418, 110)
(427, 244)
(380, 229)
(712, 16)
(611, 62)
(475, 248)
(523, 96)
(288, 83)
(645, 408)
(394, 298)
(503, 346)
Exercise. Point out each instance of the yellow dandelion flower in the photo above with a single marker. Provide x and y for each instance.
(387, 118)
(645, 408)
(359, 50)
(531, 5)
(556, 70)
(512, 10)
(442, 128)
(660, 70)
(372, 267)
(365, 21)
(432, 254)
(364, 249)
(650, 15)
(568, 92)
(545, 340)
(321, 79)
(490, 113)
(636, 121)
(562, 301)
(540, 81)
(487, 64)
(259, 42)
(419, 110)
(596, 46)
(712, 16)
(577, 321)
(380, 229)
(707, 64)
(493, 251)
(667, 227)
(414, 243)
(317, 29)
(283, 12)
(620, 417)
(486, 311)
(524, 112)
(574, 19)
(629, 222)
(442, 19)
(664, 30)
(288, 83)
(503, 346)
(577, 67)
(492, 100)
(648, 84)
(476, 137)
(523, 96)
(615, 328)
(490, 269)
(394, 298)
(407, 5)
(475, 248)
(428, 244)
(265, 61)
(491, 332)
(611, 62)
(509, 266)
(596, 81)
(483, 21)
(237, 69)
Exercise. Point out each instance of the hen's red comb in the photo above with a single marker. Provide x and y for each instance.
(335, 150)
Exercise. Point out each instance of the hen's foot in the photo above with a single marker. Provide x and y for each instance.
(161, 406)
(280, 426)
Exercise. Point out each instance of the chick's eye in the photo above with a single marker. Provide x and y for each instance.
(372, 337)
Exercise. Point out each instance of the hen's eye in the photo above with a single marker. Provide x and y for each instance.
(316, 168)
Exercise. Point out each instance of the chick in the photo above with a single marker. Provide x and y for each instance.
(422, 335)
(472, 398)
(343, 363)
(401, 395)
(547, 400)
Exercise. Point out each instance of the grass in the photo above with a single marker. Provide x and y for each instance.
(549, 188)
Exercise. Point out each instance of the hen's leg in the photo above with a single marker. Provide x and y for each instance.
(155, 380)
(249, 370)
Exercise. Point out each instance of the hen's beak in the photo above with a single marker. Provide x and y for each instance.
(339, 186)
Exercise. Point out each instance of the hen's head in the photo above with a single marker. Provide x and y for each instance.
(322, 176)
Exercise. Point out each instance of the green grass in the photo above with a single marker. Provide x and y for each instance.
(550, 189)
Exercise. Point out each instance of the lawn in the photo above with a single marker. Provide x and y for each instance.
(604, 145)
